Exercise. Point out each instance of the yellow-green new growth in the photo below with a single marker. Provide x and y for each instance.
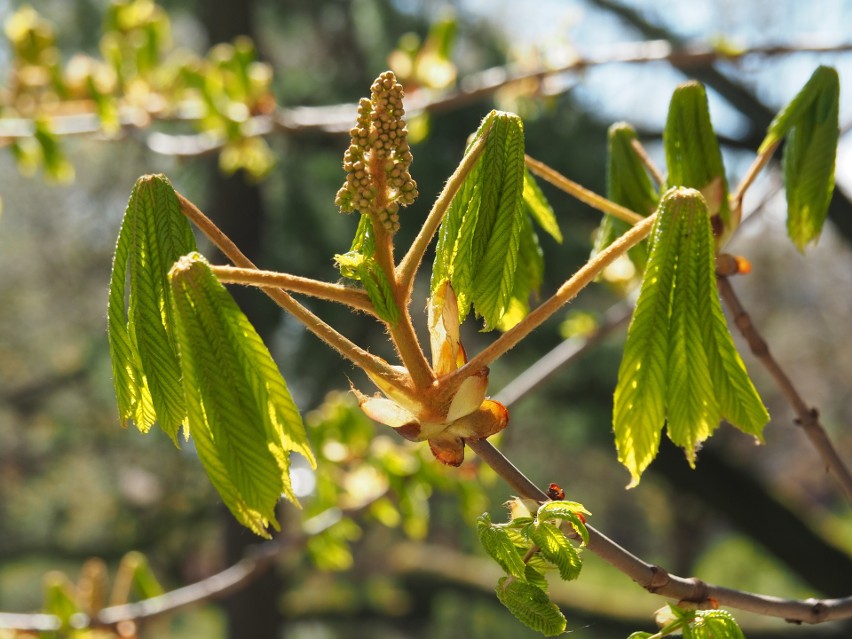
(378, 157)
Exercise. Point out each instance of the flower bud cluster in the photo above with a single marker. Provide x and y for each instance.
(378, 157)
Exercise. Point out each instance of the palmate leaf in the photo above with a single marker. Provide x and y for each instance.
(360, 264)
(680, 366)
(498, 544)
(531, 605)
(484, 231)
(240, 413)
(810, 124)
(556, 548)
(693, 157)
(143, 350)
(628, 184)
(569, 511)
(716, 624)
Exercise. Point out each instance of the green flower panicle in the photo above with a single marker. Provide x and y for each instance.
(377, 161)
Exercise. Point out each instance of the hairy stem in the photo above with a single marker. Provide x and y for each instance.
(326, 333)
(581, 193)
(402, 333)
(353, 297)
(411, 262)
(806, 417)
(582, 278)
(748, 179)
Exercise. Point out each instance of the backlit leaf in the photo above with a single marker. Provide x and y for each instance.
(810, 124)
(628, 184)
(557, 549)
(680, 366)
(480, 237)
(241, 415)
(497, 543)
(569, 511)
(693, 157)
(531, 606)
(146, 371)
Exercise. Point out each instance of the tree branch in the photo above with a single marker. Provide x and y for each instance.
(807, 417)
(656, 579)
(560, 356)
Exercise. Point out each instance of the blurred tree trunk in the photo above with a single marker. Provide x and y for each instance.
(236, 205)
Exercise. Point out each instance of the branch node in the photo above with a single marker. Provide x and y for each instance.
(659, 579)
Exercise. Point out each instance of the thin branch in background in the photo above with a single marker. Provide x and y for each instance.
(337, 119)
(566, 352)
(806, 416)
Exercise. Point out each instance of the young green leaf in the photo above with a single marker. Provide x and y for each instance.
(569, 511)
(497, 543)
(692, 411)
(366, 270)
(539, 208)
(716, 624)
(628, 184)
(480, 239)
(639, 400)
(693, 157)
(531, 606)
(240, 413)
(146, 372)
(680, 366)
(810, 124)
(557, 549)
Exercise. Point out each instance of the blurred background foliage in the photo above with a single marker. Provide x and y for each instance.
(385, 545)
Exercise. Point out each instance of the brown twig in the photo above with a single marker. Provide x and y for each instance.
(657, 580)
(806, 416)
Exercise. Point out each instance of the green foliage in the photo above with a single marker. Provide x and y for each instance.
(526, 548)
(60, 598)
(810, 125)
(184, 355)
(240, 413)
(693, 157)
(680, 366)
(628, 184)
(360, 264)
(531, 606)
(693, 624)
(146, 371)
(486, 248)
